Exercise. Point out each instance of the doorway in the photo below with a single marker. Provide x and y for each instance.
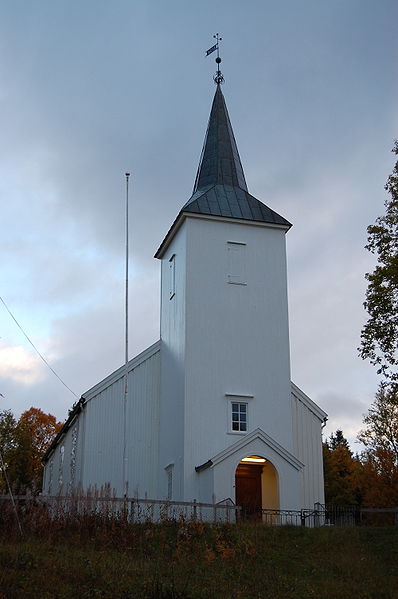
(256, 487)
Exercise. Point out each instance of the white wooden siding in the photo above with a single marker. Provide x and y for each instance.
(307, 432)
(97, 450)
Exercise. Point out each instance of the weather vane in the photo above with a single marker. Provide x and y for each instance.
(218, 77)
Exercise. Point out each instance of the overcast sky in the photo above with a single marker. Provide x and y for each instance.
(92, 88)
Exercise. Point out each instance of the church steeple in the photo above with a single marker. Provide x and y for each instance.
(219, 163)
(220, 186)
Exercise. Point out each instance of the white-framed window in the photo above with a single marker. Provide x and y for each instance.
(172, 276)
(169, 473)
(236, 258)
(239, 413)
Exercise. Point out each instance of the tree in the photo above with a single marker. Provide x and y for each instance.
(8, 426)
(41, 429)
(337, 439)
(379, 336)
(23, 444)
(7, 431)
(35, 432)
(340, 471)
(379, 477)
(381, 424)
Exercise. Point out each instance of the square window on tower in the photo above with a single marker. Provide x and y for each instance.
(236, 255)
(239, 417)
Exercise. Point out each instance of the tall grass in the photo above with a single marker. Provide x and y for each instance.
(87, 555)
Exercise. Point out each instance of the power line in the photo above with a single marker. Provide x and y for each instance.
(35, 348)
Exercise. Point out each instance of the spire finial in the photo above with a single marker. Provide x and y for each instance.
(218, 77)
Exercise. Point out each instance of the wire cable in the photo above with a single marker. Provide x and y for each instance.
(35, 348)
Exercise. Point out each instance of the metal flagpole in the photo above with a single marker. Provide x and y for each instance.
(126, 345)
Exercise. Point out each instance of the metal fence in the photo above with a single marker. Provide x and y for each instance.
(323, 515)
(137, 510)
(336, 515)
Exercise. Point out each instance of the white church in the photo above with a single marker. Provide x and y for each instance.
(211, 413)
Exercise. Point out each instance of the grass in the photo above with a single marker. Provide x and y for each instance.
(89, 555)
(190, 560)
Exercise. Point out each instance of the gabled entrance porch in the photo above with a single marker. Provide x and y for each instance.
(274, 482)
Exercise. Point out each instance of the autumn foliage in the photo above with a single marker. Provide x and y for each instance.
(23, 443)
(368, 480)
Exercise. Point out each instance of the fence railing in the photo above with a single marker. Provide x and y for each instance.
(323, 515)
(335, 515)
(131, 508)
(156, 510)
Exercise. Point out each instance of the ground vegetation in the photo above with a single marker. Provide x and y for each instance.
(92, 556)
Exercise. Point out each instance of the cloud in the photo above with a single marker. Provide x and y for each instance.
(20, 365)
(346, 411)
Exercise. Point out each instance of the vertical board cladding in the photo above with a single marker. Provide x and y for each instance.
(103, 449)
(307, 424)
(172, 365)
(104, 427)
(89, 451)
(143, 427)
(236, 333)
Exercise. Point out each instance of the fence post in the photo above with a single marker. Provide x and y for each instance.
(317, 519)
(302, 518)
(132, 506)
(194, 509)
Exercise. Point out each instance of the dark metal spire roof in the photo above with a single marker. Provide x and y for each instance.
(220, 187)
(219, 163)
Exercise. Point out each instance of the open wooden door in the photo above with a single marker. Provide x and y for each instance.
(248, 490)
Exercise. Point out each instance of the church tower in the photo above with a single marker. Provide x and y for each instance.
(225, 359)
